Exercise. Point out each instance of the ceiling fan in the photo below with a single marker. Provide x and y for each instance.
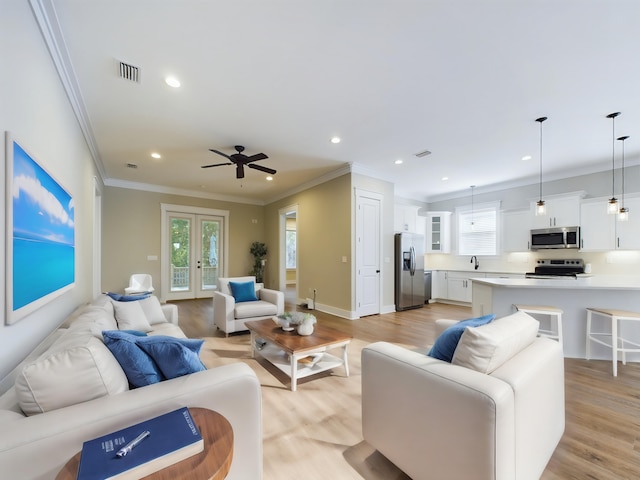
(240, 160)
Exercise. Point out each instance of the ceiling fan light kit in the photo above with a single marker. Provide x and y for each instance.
(239, 159)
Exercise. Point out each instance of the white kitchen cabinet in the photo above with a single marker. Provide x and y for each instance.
(516, 229)
(562, 211)
(439, 284)
(628, 233)
(597, 227)
(600, 231)
(459, 286)
(405, 219)
(438, 232)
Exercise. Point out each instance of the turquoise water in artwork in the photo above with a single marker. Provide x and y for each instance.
(40, 268)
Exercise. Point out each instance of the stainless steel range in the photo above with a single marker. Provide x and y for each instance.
(550, 268)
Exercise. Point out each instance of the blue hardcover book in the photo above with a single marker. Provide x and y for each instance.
(171, 438)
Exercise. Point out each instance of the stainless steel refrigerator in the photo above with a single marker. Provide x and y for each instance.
(409, 271)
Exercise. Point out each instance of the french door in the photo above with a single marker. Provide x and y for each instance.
(194, 254)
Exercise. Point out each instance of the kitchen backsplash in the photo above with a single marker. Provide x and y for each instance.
(603, 263)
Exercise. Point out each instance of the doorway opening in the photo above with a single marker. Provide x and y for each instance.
(288, 240)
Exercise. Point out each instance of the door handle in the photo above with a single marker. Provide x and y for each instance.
(377, 271)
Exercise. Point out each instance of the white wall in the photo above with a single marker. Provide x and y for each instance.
(35, 109)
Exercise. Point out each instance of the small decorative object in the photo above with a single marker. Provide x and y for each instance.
(306, 327)
(303, 321)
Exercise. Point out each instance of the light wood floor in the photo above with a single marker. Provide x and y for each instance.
(602, 434)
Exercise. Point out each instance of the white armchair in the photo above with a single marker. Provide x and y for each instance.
(230, 316)
(139, 283)
(438, 420)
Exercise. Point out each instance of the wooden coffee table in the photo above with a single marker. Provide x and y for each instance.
(296, 355)
(213, 463)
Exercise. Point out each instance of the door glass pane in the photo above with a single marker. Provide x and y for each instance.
(180, 254)
(210, 254)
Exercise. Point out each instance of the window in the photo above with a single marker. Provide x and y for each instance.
(478, 229)
(290, 244)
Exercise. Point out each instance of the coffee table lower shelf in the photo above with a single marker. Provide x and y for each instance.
(321, 361)
(290, 364)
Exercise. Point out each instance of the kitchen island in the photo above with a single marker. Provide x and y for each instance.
(573, 296)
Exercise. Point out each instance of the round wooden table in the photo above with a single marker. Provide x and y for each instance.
(213, 463)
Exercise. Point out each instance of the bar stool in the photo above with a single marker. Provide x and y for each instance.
(615, 316)
(555, 317)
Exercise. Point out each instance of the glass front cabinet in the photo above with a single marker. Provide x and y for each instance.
(438, 232)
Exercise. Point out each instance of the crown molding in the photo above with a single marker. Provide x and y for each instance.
(47, 20)
(147, 187)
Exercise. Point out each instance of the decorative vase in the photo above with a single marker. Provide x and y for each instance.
(305, 328)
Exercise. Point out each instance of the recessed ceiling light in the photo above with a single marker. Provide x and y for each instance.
(526, 157)
(269, 178)
(398, 162)
(156, 155)
(444, 179)
(172, 82)
(335, 140)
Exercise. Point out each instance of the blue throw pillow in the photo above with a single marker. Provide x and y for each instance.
(139, 367)
(447, 342)
(128, 298)
(243, 291)
(174, 356)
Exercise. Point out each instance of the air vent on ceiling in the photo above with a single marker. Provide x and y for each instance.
(132, 165)
(423, 153)
(129, 72)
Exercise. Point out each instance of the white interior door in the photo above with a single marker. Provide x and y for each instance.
(368, 248)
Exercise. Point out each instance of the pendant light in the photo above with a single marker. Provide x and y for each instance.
(612, 206)
(541, 208)
(623, 214)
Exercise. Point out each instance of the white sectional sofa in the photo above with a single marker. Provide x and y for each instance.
(500, 419)
(81, 393)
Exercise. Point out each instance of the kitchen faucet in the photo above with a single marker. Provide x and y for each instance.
(477, 264)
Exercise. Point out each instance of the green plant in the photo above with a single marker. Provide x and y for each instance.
(259, 251)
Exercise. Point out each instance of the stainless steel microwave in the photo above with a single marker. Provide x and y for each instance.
(556, 237)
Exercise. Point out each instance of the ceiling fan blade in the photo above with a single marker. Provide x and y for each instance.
(220, 153)
(216, 165)
(239, 170)
(256, 157)
(262, 169)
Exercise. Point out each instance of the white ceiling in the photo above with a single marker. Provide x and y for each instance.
(465, 79)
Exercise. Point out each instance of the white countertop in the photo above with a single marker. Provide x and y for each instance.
(601, 282)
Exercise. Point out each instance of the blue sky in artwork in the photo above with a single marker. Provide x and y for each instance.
(42, 209)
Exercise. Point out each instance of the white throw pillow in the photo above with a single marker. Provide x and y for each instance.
(131, 316)
(152, 310)
(77, 368)
(487, 347)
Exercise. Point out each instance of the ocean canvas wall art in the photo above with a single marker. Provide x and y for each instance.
(41, 235)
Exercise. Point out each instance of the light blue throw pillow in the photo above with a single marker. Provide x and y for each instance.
(174, 356)
(446, 343)
(243, 291)
(139, 367)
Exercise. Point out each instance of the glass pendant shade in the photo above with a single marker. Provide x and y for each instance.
(612, 206)
(541, 208)
(623, 214)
